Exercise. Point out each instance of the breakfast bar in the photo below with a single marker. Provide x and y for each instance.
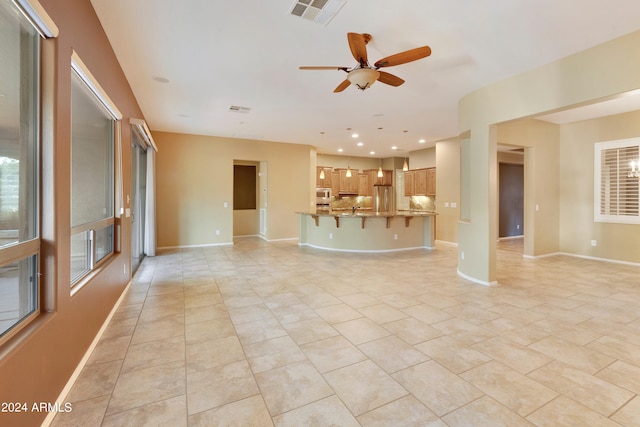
(361, 231)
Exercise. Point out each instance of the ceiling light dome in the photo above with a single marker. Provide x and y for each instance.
(363, 77)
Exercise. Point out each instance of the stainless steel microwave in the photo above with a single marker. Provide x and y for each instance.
(323, 196)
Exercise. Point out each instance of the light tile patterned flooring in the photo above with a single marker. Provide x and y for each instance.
(261, 334)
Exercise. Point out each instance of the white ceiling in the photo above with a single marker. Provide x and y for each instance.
(221, 53)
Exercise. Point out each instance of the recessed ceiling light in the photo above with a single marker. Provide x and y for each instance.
(161, 80)
(394, 148)
(372, 152)
(354, 135)
(340, 150)
(422, 141)
(360, 144)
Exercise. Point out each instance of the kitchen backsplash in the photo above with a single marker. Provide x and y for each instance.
(416, 203)
(422, 203)
(347, 202)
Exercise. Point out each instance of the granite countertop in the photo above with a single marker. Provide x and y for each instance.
(359, 213)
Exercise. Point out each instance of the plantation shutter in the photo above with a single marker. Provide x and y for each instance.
(617, 183)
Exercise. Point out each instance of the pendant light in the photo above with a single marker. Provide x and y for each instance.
(321, 172)
(380, 173)
(405, 165)
(348, 174)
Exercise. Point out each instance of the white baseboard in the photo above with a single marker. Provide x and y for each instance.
(613, 261)
(208, 245)
(511, 237)
(474, 280)
(284, 239)
(446, 243)
(365, 250)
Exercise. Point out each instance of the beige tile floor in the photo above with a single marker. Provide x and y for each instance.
(261, 334)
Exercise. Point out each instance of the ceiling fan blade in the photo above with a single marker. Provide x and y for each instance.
(342, 86)
(323, 68)
(358, 46)
(389, 79)
(404, 57)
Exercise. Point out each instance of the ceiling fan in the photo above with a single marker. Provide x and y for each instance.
(364, 75)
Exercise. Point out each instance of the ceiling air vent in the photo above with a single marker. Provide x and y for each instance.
(318, 11)
(238, 109)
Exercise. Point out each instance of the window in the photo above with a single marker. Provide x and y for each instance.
(616, 183)
(94, 125)
(19, 143)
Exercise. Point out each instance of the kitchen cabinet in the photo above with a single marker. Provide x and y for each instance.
(364, 188)
(409, 183)
(335, 182)
(420, 182)
(327, 181)
(374, 179)
(348, 184)
(431, 182)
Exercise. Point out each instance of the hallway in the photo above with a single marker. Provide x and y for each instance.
(260, 334)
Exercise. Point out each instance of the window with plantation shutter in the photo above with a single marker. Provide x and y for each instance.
(617, 182)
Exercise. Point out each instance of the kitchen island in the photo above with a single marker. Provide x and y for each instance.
(362, 231)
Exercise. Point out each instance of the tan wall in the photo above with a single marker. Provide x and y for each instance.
(425, 158)
(360, 163)
(36, 363)
(447, 159)
(195, 180)
(541, 141)
(577, 227)
(594, 74)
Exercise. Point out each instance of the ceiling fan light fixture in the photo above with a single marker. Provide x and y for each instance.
(363, 78)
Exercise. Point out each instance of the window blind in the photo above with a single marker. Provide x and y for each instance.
(617, 187)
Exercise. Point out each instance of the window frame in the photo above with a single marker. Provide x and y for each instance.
(92, 228)
(30, 249)
(599, 148)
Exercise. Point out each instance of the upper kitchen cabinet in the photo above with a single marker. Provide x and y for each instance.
(431, 182)
(420, 182)
(348, 184)
(335, 182)
(409, 183)
(364, 186)
(326, 181)
(374, 179)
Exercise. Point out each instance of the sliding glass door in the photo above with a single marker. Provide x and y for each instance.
(138, 197)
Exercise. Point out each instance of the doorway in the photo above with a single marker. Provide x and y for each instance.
(246, 201)
(511, 200)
